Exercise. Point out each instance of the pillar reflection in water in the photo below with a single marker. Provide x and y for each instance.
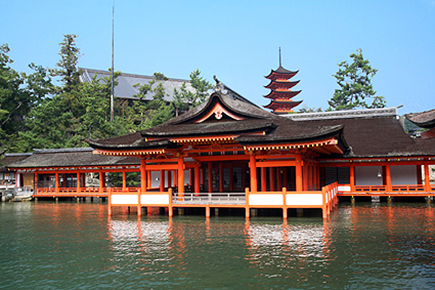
(151, 243)
(296, 249)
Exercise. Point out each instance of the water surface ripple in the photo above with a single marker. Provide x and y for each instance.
(48, 245)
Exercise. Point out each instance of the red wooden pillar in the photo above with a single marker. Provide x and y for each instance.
(143, 173)
(352, 178)
(149, 179)
(196, 179)
(162, 180)
(388, 178)
(175, 177)
(104, 179)
(253, 171)
(169, 175)
(427, 186)
(181, 175)
(101, 181)
(210, 177)
(272, 178)
(299, 182)
(124, 180)
(35, 182)
(56, 183)
(263, 179)
(78, 182)
(221, 177)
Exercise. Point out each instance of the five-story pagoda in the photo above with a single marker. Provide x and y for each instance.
(281, 96)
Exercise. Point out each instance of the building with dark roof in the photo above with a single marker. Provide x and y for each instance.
(128, 84)
(228, 152)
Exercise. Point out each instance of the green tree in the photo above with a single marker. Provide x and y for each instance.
(186, 99)
(306, 109)
(75, 111)
(15, 101)
(156, 111)
(68, 64)
(355, 90)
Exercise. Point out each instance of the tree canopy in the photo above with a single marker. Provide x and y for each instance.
(52, 108)
(356, 90)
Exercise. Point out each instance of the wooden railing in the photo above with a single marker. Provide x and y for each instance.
(408, 187)
(325, 199)
(380, 189)
(209, 198)
(370, 188)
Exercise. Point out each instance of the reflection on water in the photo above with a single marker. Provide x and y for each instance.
(73, 246)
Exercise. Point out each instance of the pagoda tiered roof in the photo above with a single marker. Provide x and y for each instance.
(282, 106)
(280, 93)
(281, 84)
(281, 73)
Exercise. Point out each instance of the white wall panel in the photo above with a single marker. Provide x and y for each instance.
(147, 199)
(124, 199)
(266, 199)
(304, 199)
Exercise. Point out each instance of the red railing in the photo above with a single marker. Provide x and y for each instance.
(407, 187)
(370, 188)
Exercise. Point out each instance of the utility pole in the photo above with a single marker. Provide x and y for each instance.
(112, 89)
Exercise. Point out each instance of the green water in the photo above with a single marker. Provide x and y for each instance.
(77, 246)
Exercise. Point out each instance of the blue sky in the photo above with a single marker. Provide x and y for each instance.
(238, 41)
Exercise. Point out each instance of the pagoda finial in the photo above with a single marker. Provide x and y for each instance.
(280, 56)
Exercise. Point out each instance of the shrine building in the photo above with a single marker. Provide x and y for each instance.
(230, 153)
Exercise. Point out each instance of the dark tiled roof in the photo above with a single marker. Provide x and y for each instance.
(126, 84)
(278, 129)
(423, 119)
(10, 158)
(377, 137)
(71, 157)
(223, 127)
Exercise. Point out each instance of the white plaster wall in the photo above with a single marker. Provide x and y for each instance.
(368, 175)
(403, 174)
(154, 199)
(304, 199)
(266, 199)
(124, 199)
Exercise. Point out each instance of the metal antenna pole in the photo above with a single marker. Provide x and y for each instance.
(280, 56)
(113, 64)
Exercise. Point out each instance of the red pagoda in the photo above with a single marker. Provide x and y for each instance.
(281, 95)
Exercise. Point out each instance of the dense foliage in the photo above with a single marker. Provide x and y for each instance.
(52, 108)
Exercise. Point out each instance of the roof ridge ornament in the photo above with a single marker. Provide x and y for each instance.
(219, 86)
